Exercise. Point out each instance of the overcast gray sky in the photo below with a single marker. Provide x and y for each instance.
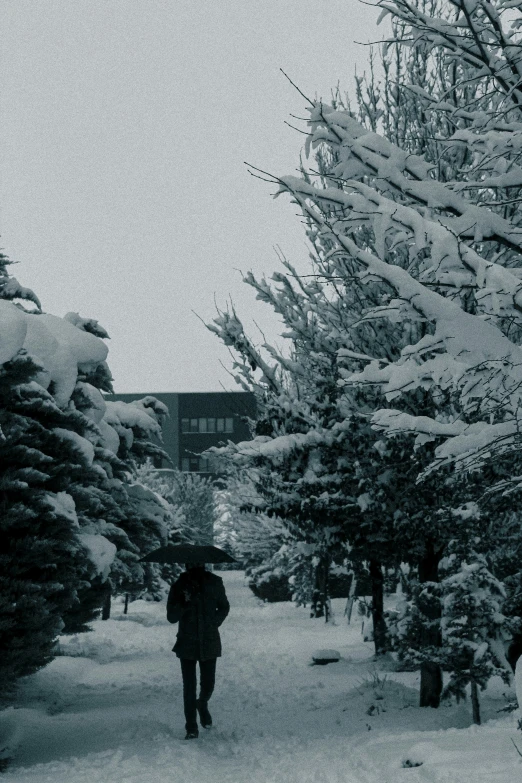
(124, 195)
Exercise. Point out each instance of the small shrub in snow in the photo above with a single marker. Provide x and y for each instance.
(270, 585)
(473, 630)
(472, 626)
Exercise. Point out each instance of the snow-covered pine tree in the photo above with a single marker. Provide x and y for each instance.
(192, 507)
(331, 321)
(461, 236)
(45, 561)
(285, 405)
(320, 463)
(63, 401)
(138, 425)
(143, 517)
(160, 483)
(437, 249)
(310, 471)
(474, 631)
(225, 535)
(193, 497)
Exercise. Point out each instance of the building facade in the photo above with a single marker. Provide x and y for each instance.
(197, 421)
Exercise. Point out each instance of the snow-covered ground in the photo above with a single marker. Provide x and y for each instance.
(109, 710)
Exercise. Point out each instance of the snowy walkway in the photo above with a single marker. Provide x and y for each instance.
(110, 710)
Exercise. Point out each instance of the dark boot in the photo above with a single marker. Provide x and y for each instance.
(205, 718)
(192, 735)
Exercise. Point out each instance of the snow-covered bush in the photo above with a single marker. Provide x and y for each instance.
(270, 583)
(465, 610)
(473, 631)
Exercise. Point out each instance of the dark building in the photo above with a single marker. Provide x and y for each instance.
(199, 420)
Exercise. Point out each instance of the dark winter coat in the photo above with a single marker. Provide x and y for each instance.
(199, 617)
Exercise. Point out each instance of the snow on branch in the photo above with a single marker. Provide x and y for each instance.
(482, 35)
(463, 352)
(465, 337)
(361, 152)
(229, 329)
(499, 290)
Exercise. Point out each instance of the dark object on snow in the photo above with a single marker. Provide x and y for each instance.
(273, 589)
(187, 553)
(322, 657)
(323, 661)
(197, 600)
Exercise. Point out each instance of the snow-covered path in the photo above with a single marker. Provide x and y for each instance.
(110, 709)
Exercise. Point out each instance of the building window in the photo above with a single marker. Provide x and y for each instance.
(205, 425)
(185, 466)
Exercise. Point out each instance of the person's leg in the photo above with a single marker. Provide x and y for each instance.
(188, 671)
(207, 679)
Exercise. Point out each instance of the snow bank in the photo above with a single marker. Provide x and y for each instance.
(13, 727)
(420, 753)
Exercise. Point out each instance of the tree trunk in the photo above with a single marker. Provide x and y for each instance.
(351, 598)
(126, 605)
(431, 673)
(430, 685)
(320, 606)
(379, 624)
(475, 702)
(106, 606)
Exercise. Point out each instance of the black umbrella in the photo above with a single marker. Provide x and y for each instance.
(188, 553)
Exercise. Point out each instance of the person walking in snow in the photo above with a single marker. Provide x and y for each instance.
(197, 600)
